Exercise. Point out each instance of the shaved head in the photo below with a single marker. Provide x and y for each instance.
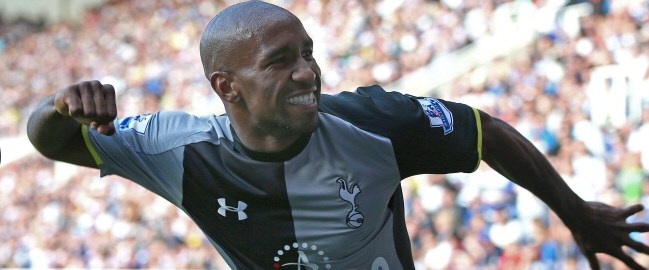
(233, 26)
(259, 60)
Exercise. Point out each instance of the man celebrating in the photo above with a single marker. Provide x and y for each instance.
(290, 178)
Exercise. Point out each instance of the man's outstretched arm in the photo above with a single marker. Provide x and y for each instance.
(54, 128)
(596, 227)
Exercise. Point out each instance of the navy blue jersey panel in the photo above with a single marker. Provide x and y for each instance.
(420, 147)
(240, 203)
(401, 237)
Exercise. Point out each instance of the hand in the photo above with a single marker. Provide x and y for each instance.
(604, 229)
(90, 103)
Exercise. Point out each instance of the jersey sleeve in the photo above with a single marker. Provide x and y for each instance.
(428, 135)
(147, 149)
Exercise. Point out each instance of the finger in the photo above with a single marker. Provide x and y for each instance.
(67, 101)
(637, 227)
(106, 129)
(631, 210)
(638, 246)
(98, 101)
(592, 260)
(626, 259)
(111, 103)
(87, 100)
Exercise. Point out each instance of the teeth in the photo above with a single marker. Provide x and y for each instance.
(302, 100)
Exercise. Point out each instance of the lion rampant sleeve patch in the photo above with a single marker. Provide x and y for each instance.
(438, 114)
(138, 123)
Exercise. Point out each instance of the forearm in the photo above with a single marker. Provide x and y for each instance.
(516, 158)
(49, 131)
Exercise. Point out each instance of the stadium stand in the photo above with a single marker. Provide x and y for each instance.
(568, 77)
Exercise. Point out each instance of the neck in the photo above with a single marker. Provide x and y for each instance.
(258, 141)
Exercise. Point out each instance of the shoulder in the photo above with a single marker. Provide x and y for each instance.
(372, 107)
(167, 121)
(373, 98)
(428, 135)
(364, 97)
(161, 131)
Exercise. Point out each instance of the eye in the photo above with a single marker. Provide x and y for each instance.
(276, 62)
(307, 54)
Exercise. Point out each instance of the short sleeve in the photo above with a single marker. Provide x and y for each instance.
(428, 135)
(147, 149)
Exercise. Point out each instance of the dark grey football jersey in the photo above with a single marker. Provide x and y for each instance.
(331, 201)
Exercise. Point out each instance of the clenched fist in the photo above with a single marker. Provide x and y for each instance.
(91, 103)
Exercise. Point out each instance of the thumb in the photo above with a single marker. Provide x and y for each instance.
(106, 129)
(61, 105)
(592, 260)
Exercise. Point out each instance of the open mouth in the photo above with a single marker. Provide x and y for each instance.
(306, 99)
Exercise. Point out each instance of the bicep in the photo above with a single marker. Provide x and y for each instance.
(498, 138)
(58, 137)
(509, 152)
(444, 137)
(75, 151)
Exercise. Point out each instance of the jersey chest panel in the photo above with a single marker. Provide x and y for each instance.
(339, 188)
(326, 208)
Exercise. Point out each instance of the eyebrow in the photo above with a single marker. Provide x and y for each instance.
(273, 53)
(276, 52)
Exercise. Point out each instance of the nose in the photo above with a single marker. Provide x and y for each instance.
(304, 74)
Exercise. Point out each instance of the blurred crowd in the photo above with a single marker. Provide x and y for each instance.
(563, 92)
(149, 50)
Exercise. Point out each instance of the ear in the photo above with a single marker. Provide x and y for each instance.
(221, 85)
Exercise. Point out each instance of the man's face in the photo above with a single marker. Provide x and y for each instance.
(278, 80)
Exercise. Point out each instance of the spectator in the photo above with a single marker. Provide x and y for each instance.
(151, 46)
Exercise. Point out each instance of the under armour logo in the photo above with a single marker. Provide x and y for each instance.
(239, 209)
(354, 218)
